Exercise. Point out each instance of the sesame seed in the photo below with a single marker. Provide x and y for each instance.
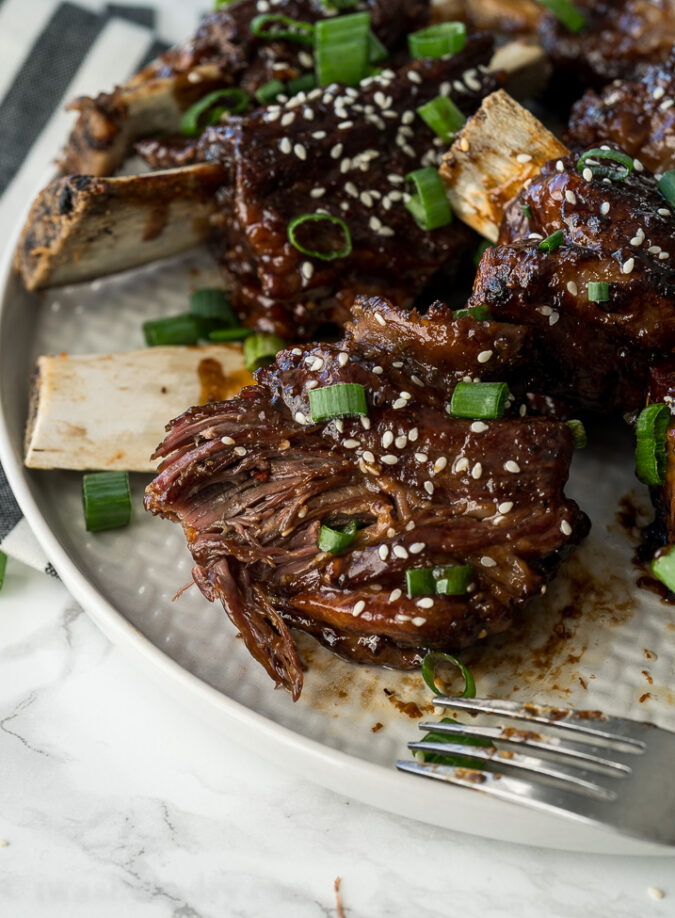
(302, 513)
(655, 893)
(511, 466)
(383, 552)
(400, 551)
(317, 192)
(406, 395)
(285, 145)
(560, 166)
(297, 352)
(416, 381)
(345, 166)
(339, 425)
(429, 487)
(658, 93)
(413, 434)
(604, 209)
(288, 119)
(484, 356)
(380, 318)
(228, 441)
(239, 451)
(343, 359)
(572, 287)
(394, 595)
(365, 422)
(570, 196)
(351, 189)
(487, 561)
(307, 269)
(440, 464)
(477, 471)
(350, 444)
(401, 442)
(387, 439)
(312, 384)
(663, 256)
(654, 249)
(417, 547)
(391, 533)
(414, 77)
(425, 603)
(479, 427)
(587, 174)
(663, 212)
(399, 403)
(628, 266)
(505, 507)
(375, 224)
(553, 318)
(524, 158)
(464, 145)
(345, 125)
(300, 418)
(336, 152)
(315, 363)
(418, 621)
(366, 199)
(359, 607)
(637, 165)
(388, 459)
(565, 528)
(421, 457)
(378, 371)
(462, 465)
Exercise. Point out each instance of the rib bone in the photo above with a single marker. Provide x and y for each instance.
(82, 227)
(107, 411)
(499, 149)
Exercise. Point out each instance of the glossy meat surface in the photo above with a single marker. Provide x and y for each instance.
(637, 116)
(595, 355)
(621, 39)
(253, 479)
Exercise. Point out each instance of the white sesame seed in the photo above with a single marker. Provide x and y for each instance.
(369, 457)
(312, 384)
(315, 363)
(383, 552)
(524, 158)
(387, 439)
(302, 513)
(317, 192)
(401, 442)
(394, 595)
(359, 607)
(375, 224)
(553, 318)
(479, 427)
(462, 465)
(365, 422)
(560, 166)
(421, 457)
(545, 310)
(414, 77)
(378, 371)
(440, 464)
(663, 256)
(350, 444)
(570, 196)
(658, 93)
(307, 270)
(388, 459)
(391, 533)
(604, 208)
(655, 893)
(380, 318)
(416, 548)
(419, 620)
(416, 381)
(297, 352)
(637, 165)
(345, 125)
(484, 356)
(239, 451)
(654, 249)
(663, 212)
(511, 466)
(287, 119)
(339, 425)
(487, 561)
(345, 166)
(343, 359)
(565, 528)
(300, 418)
(399, 403)
(400, 551)
(477, 471)
(429, 487)
(285, 145)
(228, 441)
(505, 507)
(336, 151)
(410, 525)
(413, 434)
(628, 266)
(425, 603)
(572, 287)
(406, 395)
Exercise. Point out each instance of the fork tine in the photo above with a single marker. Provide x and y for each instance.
(535, 768)
(585, 755)
(621, 734)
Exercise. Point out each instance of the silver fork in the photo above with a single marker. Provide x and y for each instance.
(598, 769)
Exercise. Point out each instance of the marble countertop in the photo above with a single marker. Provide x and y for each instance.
(113, 801)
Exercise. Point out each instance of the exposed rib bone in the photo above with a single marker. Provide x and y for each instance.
(81, 227)
(107, 411)
(499, 149)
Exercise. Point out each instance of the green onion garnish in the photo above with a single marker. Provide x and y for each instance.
(650, 452)
(551, 243)
(566, 12)
(481, 250)
(437, 40)
(527, 211)
(377, 52)
(598, 291)
(324, 255)
(443, 117)
(336, 540)
(458, 761)
(434, 661)
(213, 303)
(578, 432)
(211, 108)
(479, 400)
(303, 83)
(260, 350)
(269, 91)
(183, 329)
(420, 581)
(479, 313)
(430, 206)
(342, 400)
(221, 335)
(107, 500)
(445, 580)
(615, 156)
(289, 29)
(342, 49)
(667, 186)
(663, 567)
(3, 565)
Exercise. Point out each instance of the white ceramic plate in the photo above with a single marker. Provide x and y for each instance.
(594, 641)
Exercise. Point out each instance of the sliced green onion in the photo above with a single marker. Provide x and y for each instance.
(479, 400)
(437, 40)
(578, 432)
(458, 761)
(453, 580)
(650, 452)
(303, 83)
(430, 206)
(663, 567)
(213, 303)
(183, 329)
(336, 540)
(420, 581)
(289, 29)
(567, 13)
(616, 156)
(598, 291)
(107, 500)
(527, 211)
(667, 186)
(434, 661)
(552, 242)
(479, 313)
(3, 565)
(269, 91)
(377, 52)
(443, 117)
(221, 335)
(342, 400)
(342, 49)
(260, 350)
(211, 108)
(339, 4)
(297, 222)
(481, 250)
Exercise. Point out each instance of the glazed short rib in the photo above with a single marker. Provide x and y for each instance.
(253, 480)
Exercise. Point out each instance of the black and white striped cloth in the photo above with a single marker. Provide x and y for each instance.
(51, 52)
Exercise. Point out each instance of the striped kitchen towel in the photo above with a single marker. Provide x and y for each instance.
(51, 52)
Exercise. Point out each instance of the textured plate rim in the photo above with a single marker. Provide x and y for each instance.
(340, 772)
